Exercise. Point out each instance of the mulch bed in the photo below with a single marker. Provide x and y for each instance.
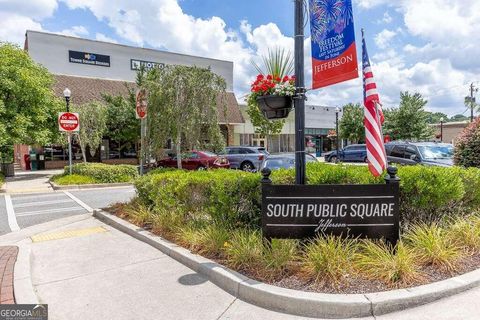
(352, 284)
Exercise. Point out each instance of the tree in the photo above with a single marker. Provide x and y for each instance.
(459, 117)
(409, 120)
(436, 117)
(93, 125)
(122, 125)
(28, 106)
(183, 105)
(351, 125)
(277, 63)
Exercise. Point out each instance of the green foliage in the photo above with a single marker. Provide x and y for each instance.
(73, 179)
(409, 120)
(465, 233)
(278, 63)
(93, 125)
(183, 104)
(351, 124)
(467, 146)
(278, 256)
(244, 249)
(2, 179)
(122, 125)
(231, 198)
(212, 240)
(376, 260)
(436, 117)
(329, 258)
(104, 173)
(433, 246)
(28, 107)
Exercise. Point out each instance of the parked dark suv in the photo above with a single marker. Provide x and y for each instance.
(245, 158)
(351, 153)
(426, 153)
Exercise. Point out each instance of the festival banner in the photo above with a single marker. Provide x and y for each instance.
(334, 54)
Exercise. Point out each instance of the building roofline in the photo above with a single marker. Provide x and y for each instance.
(125, 45)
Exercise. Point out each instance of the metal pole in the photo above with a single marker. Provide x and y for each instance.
(471, 102)
(142, 142)
(337, 133)
(300, 97)
(441, 131)
(70, 152)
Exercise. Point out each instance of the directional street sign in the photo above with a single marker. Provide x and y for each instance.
(68, 122)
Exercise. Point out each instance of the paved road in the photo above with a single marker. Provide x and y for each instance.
(35, 208)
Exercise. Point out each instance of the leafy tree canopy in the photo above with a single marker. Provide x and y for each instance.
(436, 117)
(28, 106)
(351, 125)
(409, 120)
(93, 125)
(182, 105)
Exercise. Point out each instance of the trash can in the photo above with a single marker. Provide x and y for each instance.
(40, 161)
(33, 161)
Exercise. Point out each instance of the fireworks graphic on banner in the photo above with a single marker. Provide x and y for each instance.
(327, 15)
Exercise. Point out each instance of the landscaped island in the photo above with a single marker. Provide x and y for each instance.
(217, 214)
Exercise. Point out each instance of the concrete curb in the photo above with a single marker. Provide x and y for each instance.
(89, 186)
(308, 304)
(22, 281)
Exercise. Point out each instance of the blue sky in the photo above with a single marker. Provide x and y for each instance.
(429, 46)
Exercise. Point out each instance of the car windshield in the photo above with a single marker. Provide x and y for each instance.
(436, 152)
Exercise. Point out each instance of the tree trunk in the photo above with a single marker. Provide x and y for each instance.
(179, 149)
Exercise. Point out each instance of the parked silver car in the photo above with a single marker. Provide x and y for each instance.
(284, 161)
(245, 158)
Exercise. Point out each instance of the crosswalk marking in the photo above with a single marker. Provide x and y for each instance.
(12, 219)
(47, 211)
(39, 203)
(80, 202)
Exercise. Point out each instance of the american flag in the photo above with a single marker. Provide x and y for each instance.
(373, 118)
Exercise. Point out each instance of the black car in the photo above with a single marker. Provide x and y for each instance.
(426, 153)
(351, 153)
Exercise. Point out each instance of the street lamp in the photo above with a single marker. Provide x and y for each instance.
(441, 128)
(337, 111)
(67, 93)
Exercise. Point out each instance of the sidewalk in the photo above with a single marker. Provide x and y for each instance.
(96, 272)
(30, 181)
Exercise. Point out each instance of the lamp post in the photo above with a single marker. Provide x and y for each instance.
(441, 128)
(337, 111)
(67, 93)
(299, 98)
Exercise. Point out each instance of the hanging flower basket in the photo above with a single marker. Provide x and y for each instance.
(275, 106)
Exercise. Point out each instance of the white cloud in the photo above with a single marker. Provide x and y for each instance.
(75, 31)
(387, 18)
(13, 27)
(382, 39)
(33, 9)
(367, 4)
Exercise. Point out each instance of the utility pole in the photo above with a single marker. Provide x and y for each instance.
(299, 98)
(472, 100)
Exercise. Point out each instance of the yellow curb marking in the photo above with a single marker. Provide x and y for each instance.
(67, 234)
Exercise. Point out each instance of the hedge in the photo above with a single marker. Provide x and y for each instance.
(427, 193)
(105, 173)
(2, 178)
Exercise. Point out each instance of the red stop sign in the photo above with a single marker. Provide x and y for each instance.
(68, 121)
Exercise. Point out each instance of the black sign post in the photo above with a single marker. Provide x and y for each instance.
(304, 211)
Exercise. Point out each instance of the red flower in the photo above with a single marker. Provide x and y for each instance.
(285, 79)
(269, 77)
(277, 79)
(260, 77)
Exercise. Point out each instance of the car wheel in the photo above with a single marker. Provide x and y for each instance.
(247, 166)
(201, 168)
(333, 159)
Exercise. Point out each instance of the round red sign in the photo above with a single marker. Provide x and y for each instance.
(68, 121)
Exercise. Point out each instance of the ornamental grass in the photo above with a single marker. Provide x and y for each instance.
(433, 247)
(465, 233)
(394, 266)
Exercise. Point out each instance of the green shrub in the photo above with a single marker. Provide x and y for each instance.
(467, 146)
(212, 240)
(376, 260)
(227, 197)
(244, 250)
(278, 256)
(2, 178)
(167, 222)
(105, 173)
(68, 179)
(330, 258)
(433, 246)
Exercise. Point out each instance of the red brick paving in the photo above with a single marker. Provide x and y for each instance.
(8, 256)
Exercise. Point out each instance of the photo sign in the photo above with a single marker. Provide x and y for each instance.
(334, 54)
(304, 211)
